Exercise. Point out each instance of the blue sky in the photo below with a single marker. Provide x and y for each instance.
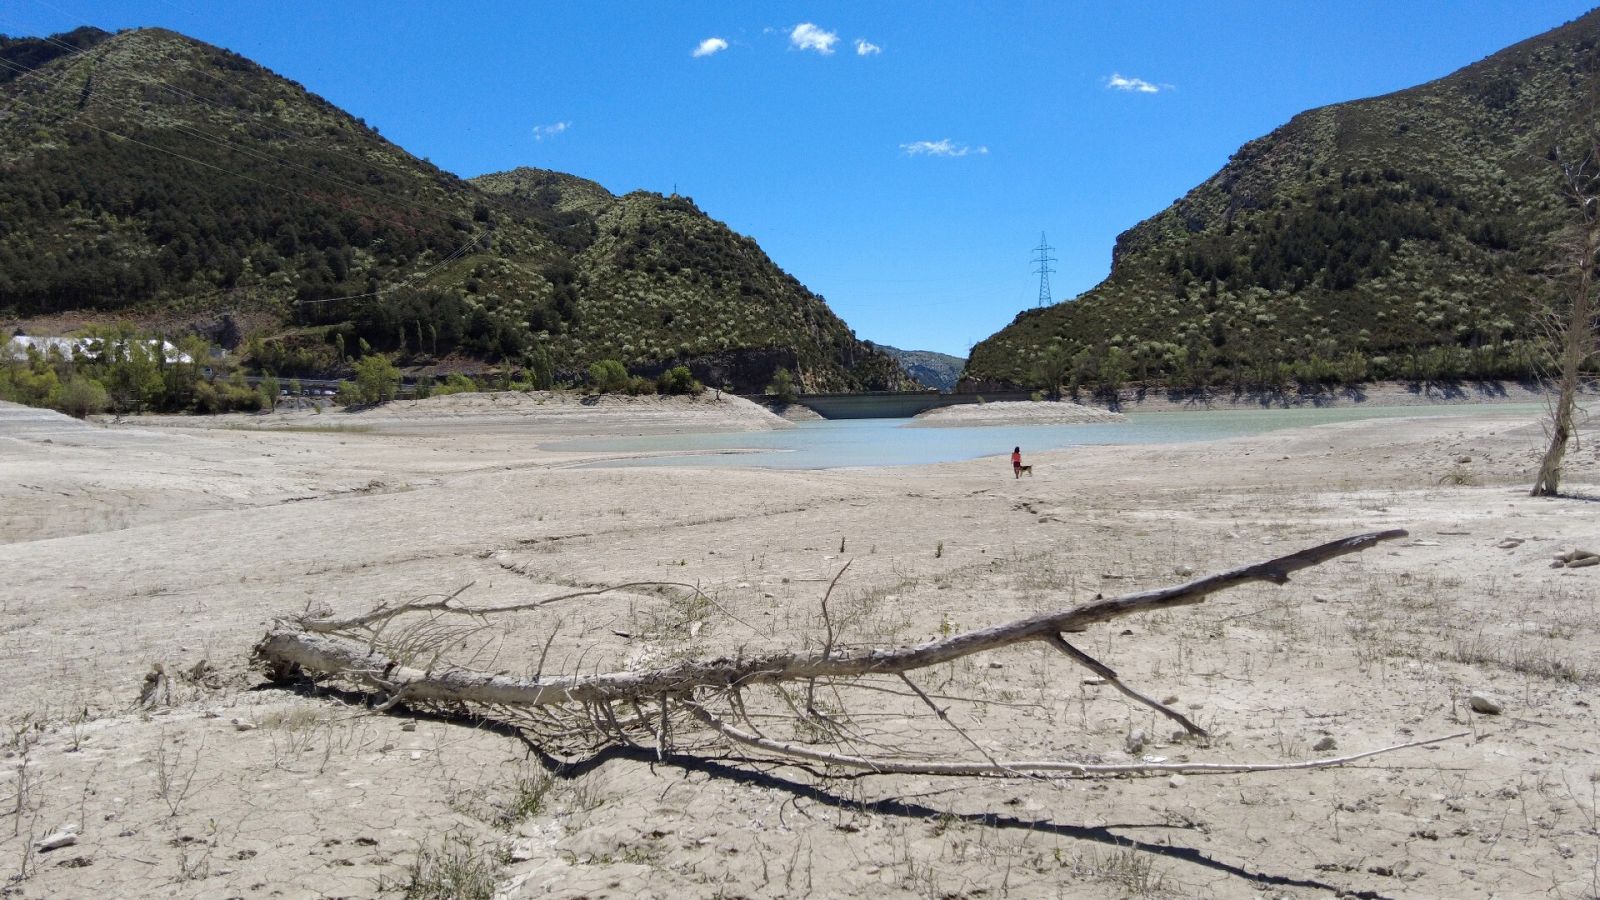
(905, 179)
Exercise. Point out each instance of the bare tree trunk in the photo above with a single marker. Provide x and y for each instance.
(1572, 326)
(404, 664)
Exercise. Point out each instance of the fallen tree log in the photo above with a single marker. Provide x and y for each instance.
(355, 651)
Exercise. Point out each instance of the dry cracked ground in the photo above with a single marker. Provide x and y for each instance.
(130, 547)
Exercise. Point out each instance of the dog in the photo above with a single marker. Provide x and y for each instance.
(1025, 470)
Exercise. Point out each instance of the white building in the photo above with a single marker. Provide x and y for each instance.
(90, 347)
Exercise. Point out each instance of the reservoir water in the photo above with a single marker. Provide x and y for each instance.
(840, 443)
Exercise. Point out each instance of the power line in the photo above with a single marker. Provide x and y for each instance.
(1043, 261)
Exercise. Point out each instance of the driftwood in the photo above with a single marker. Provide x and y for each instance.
(651, 705)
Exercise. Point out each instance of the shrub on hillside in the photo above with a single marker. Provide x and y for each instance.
(346, 394)
(782, 386)
(81, 397)
(608, 376)
(678, 380)
(220, 397)
(377, 379)
(456, 383)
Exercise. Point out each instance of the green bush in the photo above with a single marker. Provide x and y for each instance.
(223, 397)
(608, 376)
(456, 383)
(678, 380)
(269, 391)
(28, 384)
(377, 379)
(782, 386)
(346, 394)
(81, 397)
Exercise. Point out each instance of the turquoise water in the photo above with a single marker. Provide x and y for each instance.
(842, 443)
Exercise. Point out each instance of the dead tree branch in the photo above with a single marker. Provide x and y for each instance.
(353, 651)
(1048, 766)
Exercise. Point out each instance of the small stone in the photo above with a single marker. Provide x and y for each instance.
(66, 837)
(1584, 561)
(242, 725)
(1169, 700)
(1483, 703)
(1136, 740)
(1324, 745)
(1183, 571)
(409, 726)
(997, 665)
(1177, 781)
(1318, 598)
(1094, 680)
(416, 754)
(1463, 460)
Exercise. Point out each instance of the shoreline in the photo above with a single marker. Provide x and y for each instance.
(1373, 394)
(572, 414)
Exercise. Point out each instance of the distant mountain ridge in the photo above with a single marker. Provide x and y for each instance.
(1399, 236)
(939, 371)
(154, 177)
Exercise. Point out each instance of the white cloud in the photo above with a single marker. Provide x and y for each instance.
(709, 46)
(540, 132)
(1135, 85)
(867, 48)
(942, 147)
(807, 36)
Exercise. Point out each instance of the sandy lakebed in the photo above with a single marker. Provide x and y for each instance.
(175, 542)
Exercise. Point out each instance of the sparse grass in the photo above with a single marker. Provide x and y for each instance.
(457, 868)
(295, 718)
(504, 807)
(687, 614)
(175, 772)
(1132, 871)
(1542, 660)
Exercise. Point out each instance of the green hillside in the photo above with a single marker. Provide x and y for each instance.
(1404, 236)
(660, 280)
(151, 178)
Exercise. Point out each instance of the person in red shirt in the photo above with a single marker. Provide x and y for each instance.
(1016, 462)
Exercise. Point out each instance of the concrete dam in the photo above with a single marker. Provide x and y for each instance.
(884, 405)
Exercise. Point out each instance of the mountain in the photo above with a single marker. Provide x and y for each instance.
(149, 177)
(1403, 236)
(939, 371)
(660, 280)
